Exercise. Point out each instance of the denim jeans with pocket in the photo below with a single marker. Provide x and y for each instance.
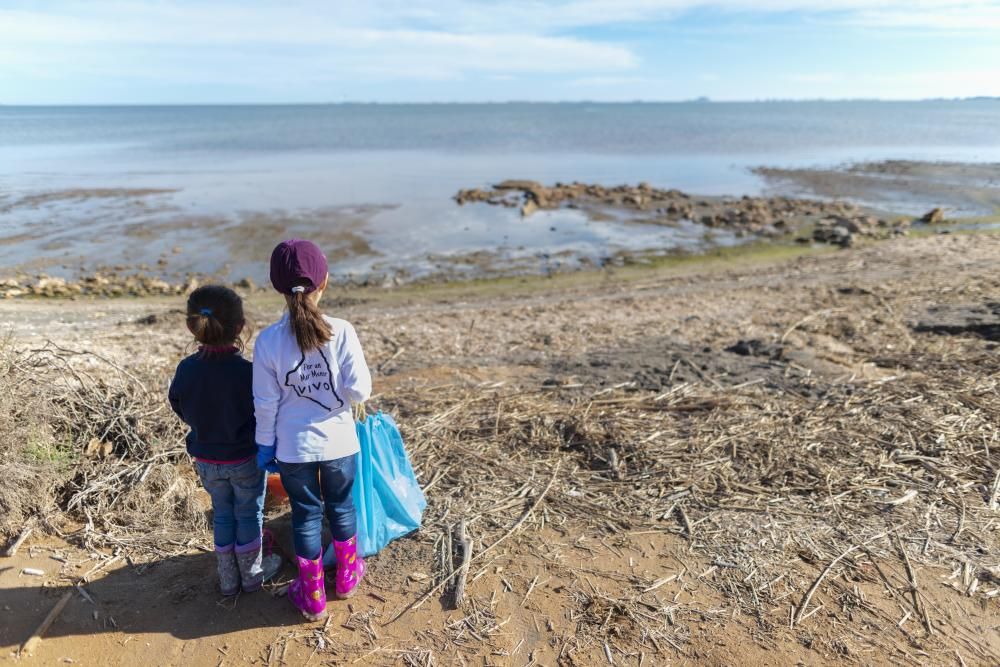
(237, 491)
(317, 488)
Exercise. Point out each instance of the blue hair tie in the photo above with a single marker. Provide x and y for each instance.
(206, 311)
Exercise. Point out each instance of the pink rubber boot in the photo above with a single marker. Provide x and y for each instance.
(350, 567)
(308, 593)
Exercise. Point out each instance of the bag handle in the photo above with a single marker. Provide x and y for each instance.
(360, 412)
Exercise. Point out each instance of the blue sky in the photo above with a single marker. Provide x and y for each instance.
(187, 51)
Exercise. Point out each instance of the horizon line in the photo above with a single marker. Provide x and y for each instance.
(697, 100)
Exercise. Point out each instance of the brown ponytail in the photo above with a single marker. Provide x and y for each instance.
(215, 316)
(310, 327)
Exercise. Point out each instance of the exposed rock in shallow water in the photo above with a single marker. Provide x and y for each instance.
(834, 222)
(933, 217)
(519, 185)
(843, 231)
(109, 284)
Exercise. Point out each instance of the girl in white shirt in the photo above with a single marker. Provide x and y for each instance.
(307, 371)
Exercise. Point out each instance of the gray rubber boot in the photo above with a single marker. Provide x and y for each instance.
(229, 571)
(249, 557)
(271, 564)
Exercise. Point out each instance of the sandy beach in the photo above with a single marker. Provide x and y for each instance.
(776, 455)
(743, 415)
(682, 316)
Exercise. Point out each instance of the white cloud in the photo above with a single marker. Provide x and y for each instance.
(319, 21)
(269, 45)
(554, 15)
(486, 52)
(954, 19)
(327, 40)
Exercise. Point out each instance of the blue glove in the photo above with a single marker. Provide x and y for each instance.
(265, 458)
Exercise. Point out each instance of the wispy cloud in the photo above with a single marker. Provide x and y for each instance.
(163, 38)
(555, 15)
(267, 45)
(319, 21)
(976, 19)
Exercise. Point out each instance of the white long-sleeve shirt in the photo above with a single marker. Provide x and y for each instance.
(302, 402)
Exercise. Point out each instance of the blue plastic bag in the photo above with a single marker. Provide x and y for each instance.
(388, 499)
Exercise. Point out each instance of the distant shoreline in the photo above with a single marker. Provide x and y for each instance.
(440, 103)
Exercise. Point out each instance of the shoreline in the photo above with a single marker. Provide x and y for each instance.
(634, 265)
(133, 287)
(716, 259)
(538, 229)
(35, 312)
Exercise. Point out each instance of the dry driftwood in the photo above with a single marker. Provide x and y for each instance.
(465, 545)
(24, 535)
(801, 608)
(29, 646)
(435, 589)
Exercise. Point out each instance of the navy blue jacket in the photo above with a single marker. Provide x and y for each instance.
(213, 395)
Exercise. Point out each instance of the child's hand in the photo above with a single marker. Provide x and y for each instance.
(265, 458)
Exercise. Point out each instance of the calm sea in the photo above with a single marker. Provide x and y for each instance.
(376, 180)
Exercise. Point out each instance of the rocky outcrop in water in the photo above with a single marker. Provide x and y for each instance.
(97, 285)
(834, 222)
(518, 193)
(102, 285)
(844, 231)
(933, 217)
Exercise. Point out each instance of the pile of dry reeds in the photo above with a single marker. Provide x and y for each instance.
(89, 439)
(768, 486)
(778, 490)
(32, 460)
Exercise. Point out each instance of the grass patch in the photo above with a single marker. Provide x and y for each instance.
(41, 448)
(640, 268)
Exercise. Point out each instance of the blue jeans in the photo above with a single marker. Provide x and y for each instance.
(237, 492)
(313, 488)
